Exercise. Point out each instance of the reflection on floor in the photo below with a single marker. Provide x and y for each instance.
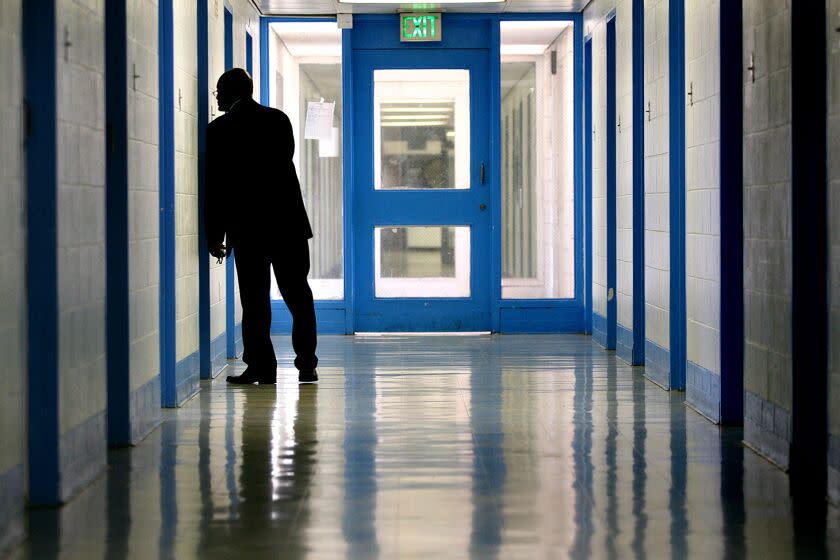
(427, 447)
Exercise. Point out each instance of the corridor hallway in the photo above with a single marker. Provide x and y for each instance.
(438, 447)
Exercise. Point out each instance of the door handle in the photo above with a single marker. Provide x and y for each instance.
(482, 172)
(482, 206)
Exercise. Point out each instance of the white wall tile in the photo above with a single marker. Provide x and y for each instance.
(81, 212)
(13, 250)
(702, 207)
(767, 238)
(143, 193)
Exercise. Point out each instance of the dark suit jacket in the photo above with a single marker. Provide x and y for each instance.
(253, 194)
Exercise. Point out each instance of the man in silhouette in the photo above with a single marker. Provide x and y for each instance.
(254, 208)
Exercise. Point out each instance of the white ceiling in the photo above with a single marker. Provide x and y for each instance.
(328, 7)
(304, 39)
(529, 37)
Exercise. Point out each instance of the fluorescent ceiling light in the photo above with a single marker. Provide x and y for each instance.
(436, 2)
(418, 101)
(414, 123)
(414, 117)
(416, 109)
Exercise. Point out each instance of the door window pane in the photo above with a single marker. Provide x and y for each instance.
(305, 59)
(537, 159)
(421, 129)
(422, 261)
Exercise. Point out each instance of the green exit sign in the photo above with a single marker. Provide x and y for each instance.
(420, 27)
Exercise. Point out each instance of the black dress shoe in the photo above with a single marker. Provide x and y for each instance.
(308, 376)
(251, 375)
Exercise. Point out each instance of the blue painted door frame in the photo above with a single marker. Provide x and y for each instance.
(587, 141)
(638, 352)
(205, 352)
(39, 47)
(166, 118)
(230, 303)
(481, 31)
(404, 208)
(116, 220)
(676, 61)
(731, 216)
(612, 294)
(810, 249)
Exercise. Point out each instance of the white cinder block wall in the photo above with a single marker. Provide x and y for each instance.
(624, 178)
(657, 189)
(560, 165)
(143, 216)
(216, 65)
(595, 26)
(702, 205)
(81, 241)
(834, 250)
(186, 197)
(767, 228)
(12, 279)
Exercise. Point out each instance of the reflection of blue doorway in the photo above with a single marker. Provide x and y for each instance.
(611, 187)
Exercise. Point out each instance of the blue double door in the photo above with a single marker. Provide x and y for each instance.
(422, 210)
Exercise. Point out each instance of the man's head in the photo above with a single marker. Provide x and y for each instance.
(233, 85)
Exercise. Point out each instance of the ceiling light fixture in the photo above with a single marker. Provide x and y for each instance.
(413, 123)
(415, 109)
(424, 117)
(438, 2)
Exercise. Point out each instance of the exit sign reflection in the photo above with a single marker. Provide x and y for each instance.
(420, 27)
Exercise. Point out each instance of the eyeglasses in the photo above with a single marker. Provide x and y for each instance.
(215, 93)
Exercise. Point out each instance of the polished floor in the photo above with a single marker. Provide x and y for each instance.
(439, 447)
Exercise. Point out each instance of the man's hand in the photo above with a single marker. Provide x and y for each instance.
(219, 251)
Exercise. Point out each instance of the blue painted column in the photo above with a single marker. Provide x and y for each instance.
(810, 234)
(638, 354)
(116, 224)
(587, 140)
(676, 51)
(39, 46)
(612, 294)
(731, 216)
(166, 79)
(204, 351)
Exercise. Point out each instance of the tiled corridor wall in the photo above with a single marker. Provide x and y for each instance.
(595, 25)
(12, 280)
(599, 180)
(767, 228)
(81, 242)
(560, 140)
(657, 188)
(702, 205)
(834, 249)
(143, 217)
(186, 198)
(624, 178)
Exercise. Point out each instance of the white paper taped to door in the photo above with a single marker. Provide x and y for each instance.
(319, 120)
